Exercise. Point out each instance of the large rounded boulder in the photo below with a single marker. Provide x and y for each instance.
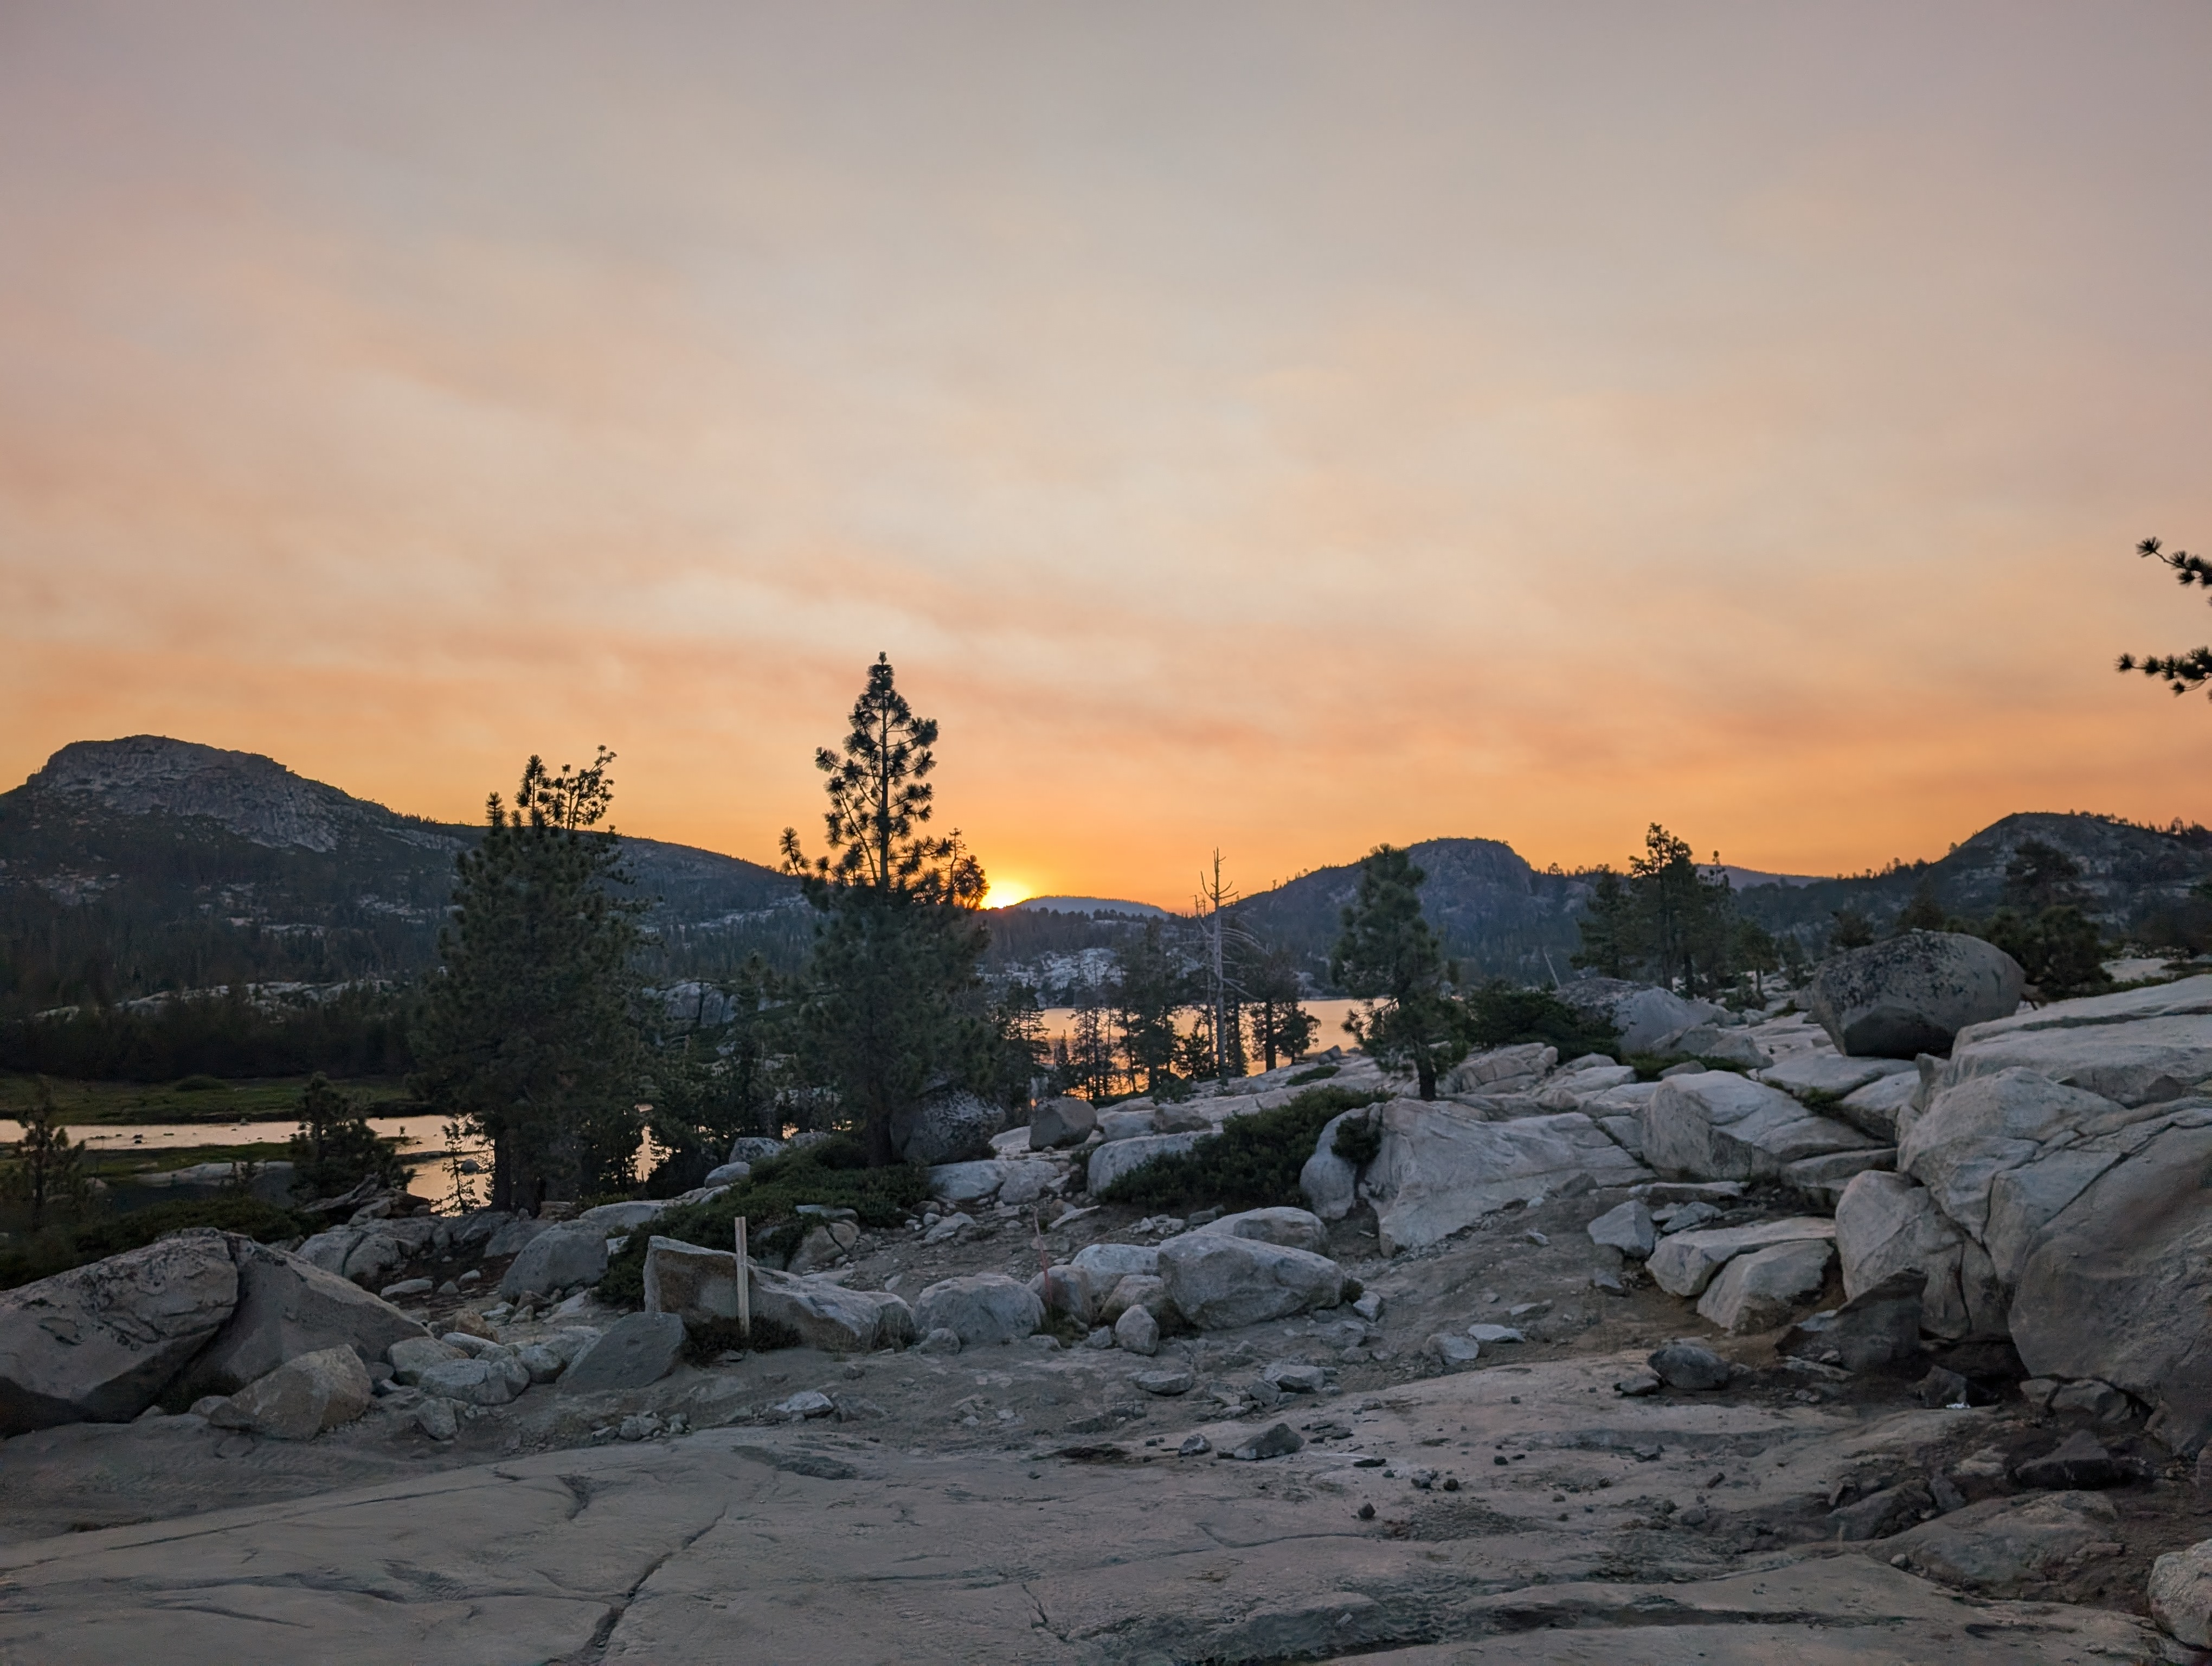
(1221, 1282)
(947, 1127)
(1060, 1123)
(97, 1343)
(1913, 993)
(980, 1308)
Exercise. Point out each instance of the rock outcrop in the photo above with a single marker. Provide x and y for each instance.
(1720, 1126)
(1760, 1289)
(2052, 1189)
(981, 1308)
(1685, 1263)
(1442, 1168)
(1110, 1161)
(304, 1396)
(1888, 1223)
(2137, 1047)
(2118, 1285)
(697, 1285)
(1221, 1282)
(1294, 1228)
(287, 1308)
(1641, 1014)
(827, 1315)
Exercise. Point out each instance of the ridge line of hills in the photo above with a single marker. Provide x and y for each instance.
(133, 865)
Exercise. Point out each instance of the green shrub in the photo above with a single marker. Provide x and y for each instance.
(703, 1344)
(335, 1149)
(2059, 949)
(1358, 1142)
(1252, 1164)
(1648, 1066)
(202, 1085)
(1064, 1328)
(1318, 1073)
(1500, 1015)
(833, 1171)
(59, 1249)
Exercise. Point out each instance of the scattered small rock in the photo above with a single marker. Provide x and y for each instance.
(2079, 1460)
(1138, 1332)
(1452, 1352)
(1686, 1365)
(1941, 1388)
(1279, 1440)
(2181, 1594)
(1180, 1379)
(2098, 1400)
(1627, 1228)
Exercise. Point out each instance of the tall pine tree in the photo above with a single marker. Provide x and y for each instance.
(1391, 960)
(528, 1032)
(1280, 1028)
(1150, 991)
(891, 1009)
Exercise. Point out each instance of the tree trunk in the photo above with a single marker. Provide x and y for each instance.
(878, 1136)
(1427, 1072)
(502, 1171)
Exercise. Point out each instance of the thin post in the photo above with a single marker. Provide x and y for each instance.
(744, 1284)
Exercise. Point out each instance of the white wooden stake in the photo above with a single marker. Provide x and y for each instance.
(744, 1285)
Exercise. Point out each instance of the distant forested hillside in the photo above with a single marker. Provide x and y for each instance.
(131, 867)
(2136, 882)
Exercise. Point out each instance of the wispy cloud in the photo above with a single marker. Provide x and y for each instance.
(1267, 428)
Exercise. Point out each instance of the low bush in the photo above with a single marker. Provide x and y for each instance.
(833, 1172)
(1500, 1015)
(1318, 1073)
(1649, 1066)
(703, 1344)
(1358, 1142)
(1252, 1164)
(58, 1248)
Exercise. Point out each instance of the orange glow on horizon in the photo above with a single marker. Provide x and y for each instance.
(1005, 893)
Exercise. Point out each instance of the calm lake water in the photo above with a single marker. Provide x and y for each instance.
(424, 1137)
(420, 1138)
(1060, 1021)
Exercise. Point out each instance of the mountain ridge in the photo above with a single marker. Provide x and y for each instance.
(134, 865)
(140, 864)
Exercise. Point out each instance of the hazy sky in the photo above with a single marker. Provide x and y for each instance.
(1271, 426)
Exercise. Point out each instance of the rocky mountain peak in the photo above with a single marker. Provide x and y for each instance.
(255, 797)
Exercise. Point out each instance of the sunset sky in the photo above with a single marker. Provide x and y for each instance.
(1268, 426)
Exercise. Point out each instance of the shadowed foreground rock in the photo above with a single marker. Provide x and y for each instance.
(99, 1342)
(815, 1547)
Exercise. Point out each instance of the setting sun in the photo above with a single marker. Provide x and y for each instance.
(1005, 893)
